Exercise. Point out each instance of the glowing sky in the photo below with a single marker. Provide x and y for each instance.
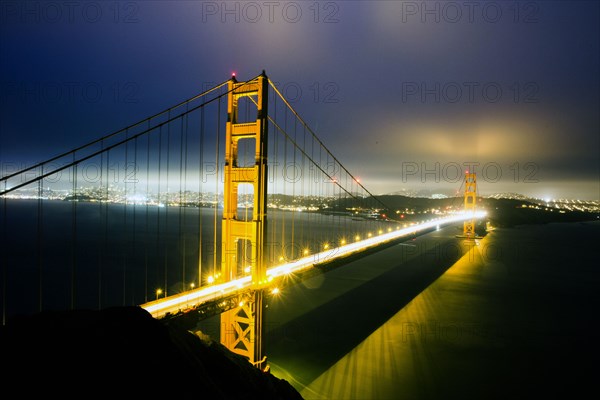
(402, 92)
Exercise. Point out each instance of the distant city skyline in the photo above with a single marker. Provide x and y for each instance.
(413, 180)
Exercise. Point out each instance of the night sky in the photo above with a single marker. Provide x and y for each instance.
(401, 92)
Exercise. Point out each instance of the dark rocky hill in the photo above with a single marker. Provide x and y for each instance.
(124, 352)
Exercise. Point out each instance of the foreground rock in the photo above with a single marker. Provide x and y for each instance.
(124, 351)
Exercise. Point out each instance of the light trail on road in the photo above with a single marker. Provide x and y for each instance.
(193, 298)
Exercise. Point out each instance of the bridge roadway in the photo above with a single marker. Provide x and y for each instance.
(196, 298)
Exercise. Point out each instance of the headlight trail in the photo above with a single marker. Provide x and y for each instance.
(195, 297)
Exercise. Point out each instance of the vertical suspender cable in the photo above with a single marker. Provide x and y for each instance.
(313, 193)
(4, 257)
(74, 234)
(200, 194)
(106, 211)
(274, 191)
(134, 207)
(216, 186)
(166, 238)
(159, 206)
(101, 206)
(126, 238)
(303, 177)
(181, 205)
(40, 228)
(293, 247)
(283, 241)
(185, 191)
(147, 201)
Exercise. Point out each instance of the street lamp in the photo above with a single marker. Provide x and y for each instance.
(158, 293)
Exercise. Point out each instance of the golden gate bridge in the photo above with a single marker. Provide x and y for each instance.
(202, 209)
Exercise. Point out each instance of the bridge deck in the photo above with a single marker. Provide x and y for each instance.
(223, 293)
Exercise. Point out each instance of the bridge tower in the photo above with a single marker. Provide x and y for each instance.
(241, 327)
(470, 202)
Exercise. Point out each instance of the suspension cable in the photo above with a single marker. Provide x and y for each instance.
(323, 145)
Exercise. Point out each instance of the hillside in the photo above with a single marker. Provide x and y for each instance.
(507, 213)
(125, 351)
(501, 212)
